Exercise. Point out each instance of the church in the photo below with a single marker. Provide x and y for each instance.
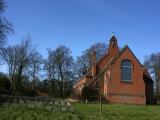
(119, 76)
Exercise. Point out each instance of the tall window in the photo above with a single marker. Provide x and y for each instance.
(97, 85)
(126, 70)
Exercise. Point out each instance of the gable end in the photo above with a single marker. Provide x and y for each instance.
(121, 52)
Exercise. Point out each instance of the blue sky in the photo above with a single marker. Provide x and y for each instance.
(78, 24)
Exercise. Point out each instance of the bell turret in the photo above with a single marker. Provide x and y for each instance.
(113, 46)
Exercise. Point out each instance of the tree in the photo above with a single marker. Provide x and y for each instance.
(18, 59)
(59, 68)
(2, 5)
(6, 27)
(84, 61)
(63, 67)
(10, 57)
(25, 53)
(49, 67)
(152, 62)
(35, 66)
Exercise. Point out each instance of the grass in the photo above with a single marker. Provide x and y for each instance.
(83, 111)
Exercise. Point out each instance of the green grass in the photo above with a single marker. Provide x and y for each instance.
(83, 112)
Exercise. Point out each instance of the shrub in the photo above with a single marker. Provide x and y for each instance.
(4, 84)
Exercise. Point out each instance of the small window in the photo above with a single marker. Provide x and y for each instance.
(97, 85)
(126, 70)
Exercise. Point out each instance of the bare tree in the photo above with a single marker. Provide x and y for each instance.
(18, 59)
(49, 67)
(153, 64)
(59, 66)
(63, 66)
(6, 27)
(2, 5)
(10, 57)
(35, 66)
(25, 52)
(84, 61)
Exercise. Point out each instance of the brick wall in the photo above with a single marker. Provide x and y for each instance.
(126, 92)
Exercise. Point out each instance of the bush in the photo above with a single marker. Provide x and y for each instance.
(27, 92)
(4, 84)
(88, 93)
(157, 98)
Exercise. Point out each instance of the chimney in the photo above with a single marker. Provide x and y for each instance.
(93, 63)
(113, 46)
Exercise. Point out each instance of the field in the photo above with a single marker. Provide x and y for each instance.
(81, 111)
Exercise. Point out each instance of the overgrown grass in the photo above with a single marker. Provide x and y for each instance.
(83, 111)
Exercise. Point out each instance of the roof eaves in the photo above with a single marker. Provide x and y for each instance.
(101, 73)
(121, 52)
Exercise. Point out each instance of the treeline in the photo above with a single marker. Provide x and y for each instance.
(26, 67)
(30, 74)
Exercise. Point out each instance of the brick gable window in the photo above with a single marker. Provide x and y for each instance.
(126, 70)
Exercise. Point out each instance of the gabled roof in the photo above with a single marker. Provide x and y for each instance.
(113, 38)
(102, 58)
(121, 52)
(113, 60)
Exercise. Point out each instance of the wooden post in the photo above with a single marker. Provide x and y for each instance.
(100, 98)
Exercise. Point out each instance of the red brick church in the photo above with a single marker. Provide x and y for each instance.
(119, 76)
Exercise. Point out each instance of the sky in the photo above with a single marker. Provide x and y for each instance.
(78, 24)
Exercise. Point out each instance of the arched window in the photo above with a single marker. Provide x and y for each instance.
(126, 70)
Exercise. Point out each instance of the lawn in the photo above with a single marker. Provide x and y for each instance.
(81, 111)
